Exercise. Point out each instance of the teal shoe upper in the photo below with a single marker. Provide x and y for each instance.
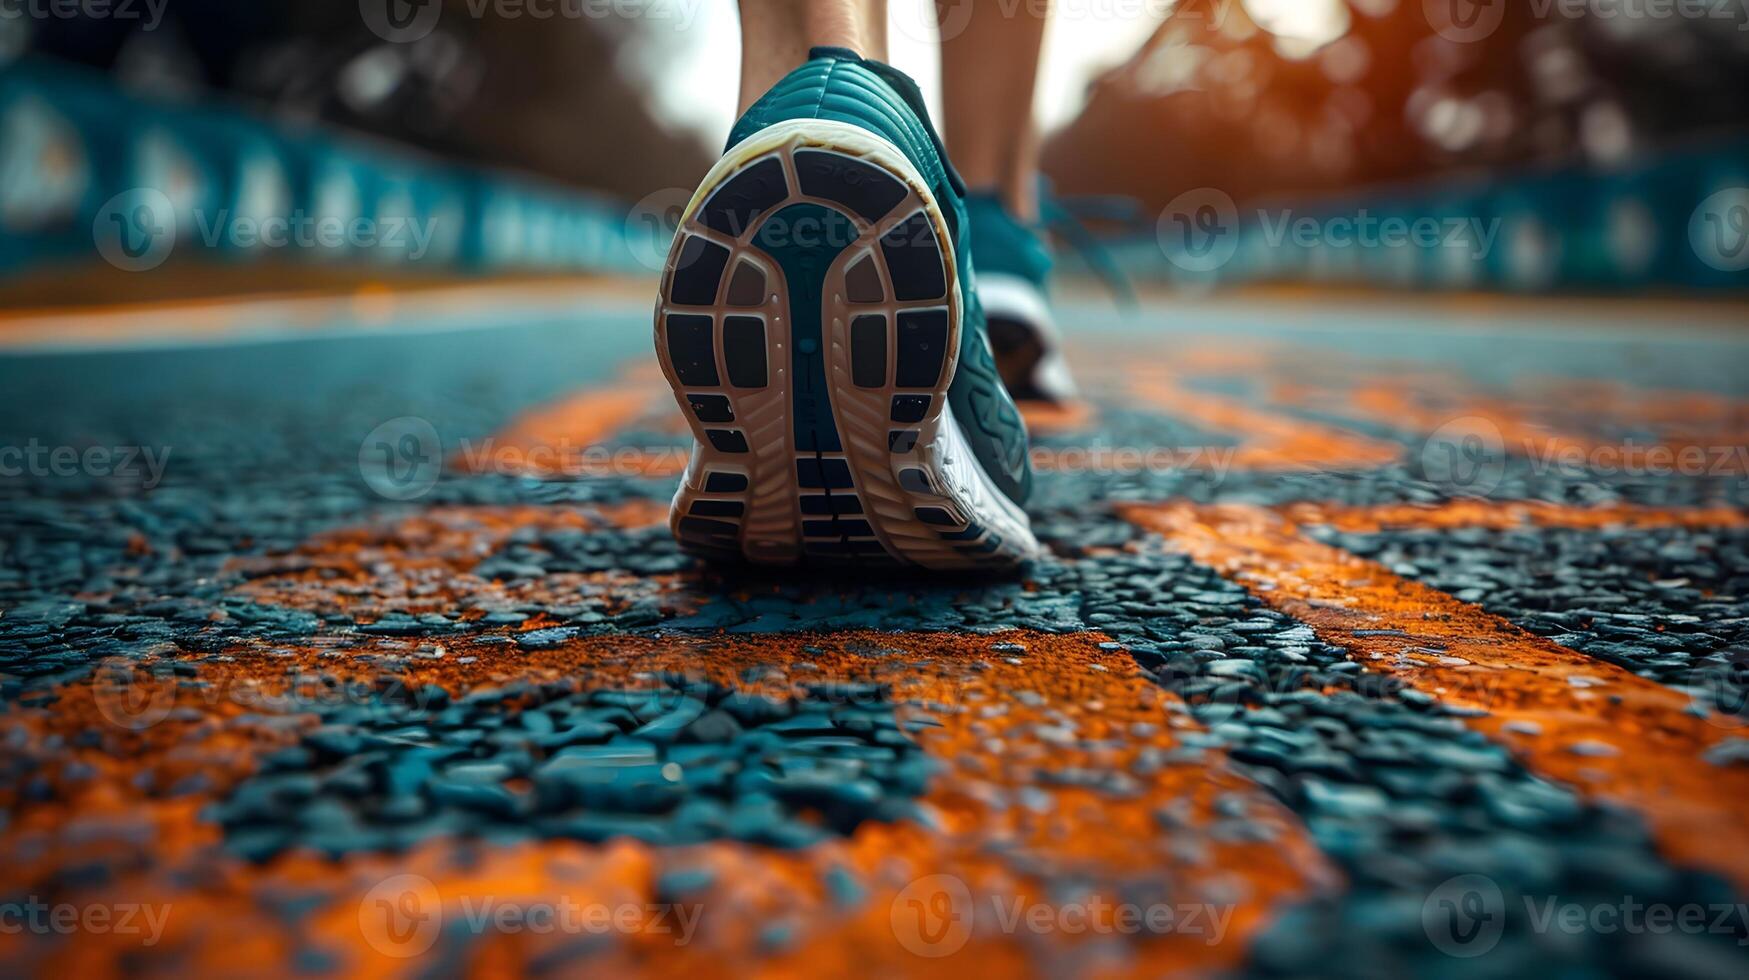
(1006, 245)
(838, 84)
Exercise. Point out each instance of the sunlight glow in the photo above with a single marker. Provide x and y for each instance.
(691, 73)
(1311, 22)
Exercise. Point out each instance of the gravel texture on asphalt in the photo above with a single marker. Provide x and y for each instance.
(425, 643)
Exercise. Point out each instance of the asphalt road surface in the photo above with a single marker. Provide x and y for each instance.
(1375, 640)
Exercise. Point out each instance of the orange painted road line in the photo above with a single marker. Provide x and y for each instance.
(1610, 733)
(1546, 419)
(427, 564)
(570, 437)
(567, 437)
(1669, 409)
(1504, 516)
(1458, 312)
(224, 319)
(1008, 729)
(1398, 405)
(1703, 435)
(1046, 419)
(1269, 440)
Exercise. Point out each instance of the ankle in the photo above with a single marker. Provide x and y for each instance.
(1019, 198)
(849, 26)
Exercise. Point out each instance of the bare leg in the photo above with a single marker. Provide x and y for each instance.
(776, 36)
(989, 68)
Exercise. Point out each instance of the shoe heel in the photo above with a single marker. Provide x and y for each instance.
(809, 323)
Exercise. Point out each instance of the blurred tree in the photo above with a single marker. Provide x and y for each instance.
(544, 95)
(1217, 99)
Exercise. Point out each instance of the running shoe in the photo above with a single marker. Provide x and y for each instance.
(820, 327)
(1014, 270)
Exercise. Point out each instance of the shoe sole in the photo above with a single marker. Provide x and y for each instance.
(809, 322)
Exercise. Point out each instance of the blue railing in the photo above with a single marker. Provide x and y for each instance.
(1674, 220)
(88, 170)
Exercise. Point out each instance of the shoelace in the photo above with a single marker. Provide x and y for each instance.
(1068, 217)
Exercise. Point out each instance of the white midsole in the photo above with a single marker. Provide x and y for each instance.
(1012, 296)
